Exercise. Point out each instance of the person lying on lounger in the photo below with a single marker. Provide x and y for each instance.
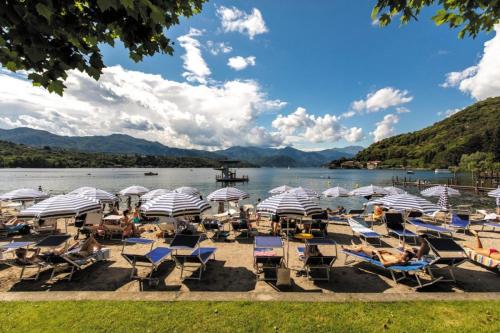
(492, 252)
(23, 257)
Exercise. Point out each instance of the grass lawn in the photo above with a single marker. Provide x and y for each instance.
(130, 316)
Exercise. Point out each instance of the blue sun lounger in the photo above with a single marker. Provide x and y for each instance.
(395, 225)
(318, 263)
(413, 268)
(198, 257)
(419, 224)
(152, 259)
(360, 229)
(493, 225)
(460, 222)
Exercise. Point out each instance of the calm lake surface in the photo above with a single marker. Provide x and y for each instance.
(261, 181)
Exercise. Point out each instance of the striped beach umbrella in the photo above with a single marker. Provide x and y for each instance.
(304, 192)
(391, 190)
(24, 194)
(443, 200)
(134, 190)
(495, 194)
(95, 193)
(280, 189)
(67, 205)
(227, 194)
(335, 192)
(174, 204)
(154, 193)
(437, 191)
(188, 190)
(406, 202)
(369, 191)
(289, 204)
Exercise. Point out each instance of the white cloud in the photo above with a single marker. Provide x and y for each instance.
(482, 80)
(385, 128)
(402, 109)
(233, 19)
(449, 113)
(239, 63)
(194, 64)
(348, 114)
(382, 99)
(148, 106)
(216, 48)
(300, 126)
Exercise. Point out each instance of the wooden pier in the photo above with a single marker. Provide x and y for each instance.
(423, 184)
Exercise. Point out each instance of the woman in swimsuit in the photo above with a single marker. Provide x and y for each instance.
(492, 252)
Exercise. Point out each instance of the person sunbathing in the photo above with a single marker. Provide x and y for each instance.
(491, 252)
(85, 249)
(312, 251)
(23, 258)
(387, 258)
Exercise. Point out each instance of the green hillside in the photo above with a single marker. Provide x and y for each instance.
(20, 156)
(474, 129)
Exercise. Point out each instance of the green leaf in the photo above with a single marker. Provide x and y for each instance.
(44, 11)
(129, 4)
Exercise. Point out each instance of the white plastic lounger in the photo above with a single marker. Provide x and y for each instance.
(362, 231)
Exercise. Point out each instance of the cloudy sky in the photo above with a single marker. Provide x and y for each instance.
(309, 75)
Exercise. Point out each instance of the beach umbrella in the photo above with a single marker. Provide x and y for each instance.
(174, 204)
(227, 194)
(369, 191)
(188, 190)
(437, 191)
(495, 194)
(154, 193)
(406, 202)
(95, 193)
(24, 194)
(394, 190)
(280, 189)
(134, 190)
(443, 200)
(65, 205)
(304, 192)
(336, 191)
(289, 204)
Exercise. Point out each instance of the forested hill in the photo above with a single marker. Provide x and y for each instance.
(474, 129)
(20, 156)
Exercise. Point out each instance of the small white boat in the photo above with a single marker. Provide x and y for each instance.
(442, 171)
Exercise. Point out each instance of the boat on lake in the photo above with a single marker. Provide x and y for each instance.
(442, 171)
(150, 173)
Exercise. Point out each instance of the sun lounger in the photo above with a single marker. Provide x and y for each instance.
(395, 225)
(266, 260)
(197, 258)
(414, 268)
(448, 254)
(215, 227)
(493, 225)
(419, 224)
(360, 229)
(460, 222)
(318, 263)
(241, 226)
(72, 261)
(482, 260)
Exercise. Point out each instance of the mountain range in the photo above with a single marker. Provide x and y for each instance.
(126, 144)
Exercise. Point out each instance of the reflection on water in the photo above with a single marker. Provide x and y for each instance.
(261, 181)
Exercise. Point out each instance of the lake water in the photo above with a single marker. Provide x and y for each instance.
(261, 181)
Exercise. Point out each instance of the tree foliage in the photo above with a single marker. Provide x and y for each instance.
(471, 16)
(49, 37)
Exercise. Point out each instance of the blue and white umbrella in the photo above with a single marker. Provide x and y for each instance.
(304, 192)
(68, 205)
(495, 194)
(437, 191)
(24, 194)
(227, 194)
(188, 190)
(369, 191)
(394, 190)
(335, 192)
(288, 204)
(443, 200)
(134, 190)
(174, 204)
(280, 189)
(95, 193)
(154, 193)
(406, 202)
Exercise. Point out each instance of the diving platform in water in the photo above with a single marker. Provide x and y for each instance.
(227, 174)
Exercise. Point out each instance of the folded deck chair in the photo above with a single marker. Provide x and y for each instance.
(266, 260)
(318, 263)
(420, 225)
(448, 254)
(197, 258)
(395, 225)
(360, 229)
(460, 222)
(414, 268)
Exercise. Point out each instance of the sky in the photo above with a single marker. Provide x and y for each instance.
(312, 75)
